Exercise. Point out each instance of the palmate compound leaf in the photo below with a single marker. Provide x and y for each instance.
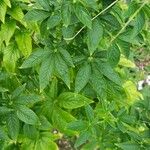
(24, 43)
(46, 72)
(27, 115)
(82, 77)
(83, 15)
(109, 72)
(71, 100)
(35, 58)
(94, 36)
(8, 30)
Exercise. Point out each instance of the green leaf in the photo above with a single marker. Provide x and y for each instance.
(7, 3)
(30, 131)
(11, 55)
(66, 56)
(139, 23)
(44, 4)
(62, 69)
(8, 30)
(45, 124)
(82, 77)
(89, 113)
(35, 58)
(78, 125)
(66, 13)
(53, 21)
(91, 4)
(3, 8)
(83, 15)
(83, 137)
(46, 72)
(3, 134)
(13, 126)
(16, 13)
(94, 36)
(113, 55)
(129, 146)
(24, 43)
(71, 100)
(17, 92)
(46, 144)
(98, 83)
(27, 115)
(53, 88)
(61, 119)
(5, 110)
(36, 15)
(108, 72)
(27, 99)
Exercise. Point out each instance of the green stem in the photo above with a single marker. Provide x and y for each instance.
(130, 19)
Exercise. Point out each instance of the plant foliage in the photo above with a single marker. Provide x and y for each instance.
(64, 65)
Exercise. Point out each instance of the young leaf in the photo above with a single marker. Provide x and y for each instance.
(8, 30)
(83, 15)
(94, 36)
(62, 69)
(71, 100)
(108, 72)
(3, 8)
(35, 58)
(53, 21)
(46, 72)
(113, 55)
(13, 125)
(24, 43)
(11, 55)
(36, 15)
(7, 3)
(27, 115)
(82, 77)
(16, 13)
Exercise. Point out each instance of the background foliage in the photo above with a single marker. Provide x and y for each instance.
(67, 72)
